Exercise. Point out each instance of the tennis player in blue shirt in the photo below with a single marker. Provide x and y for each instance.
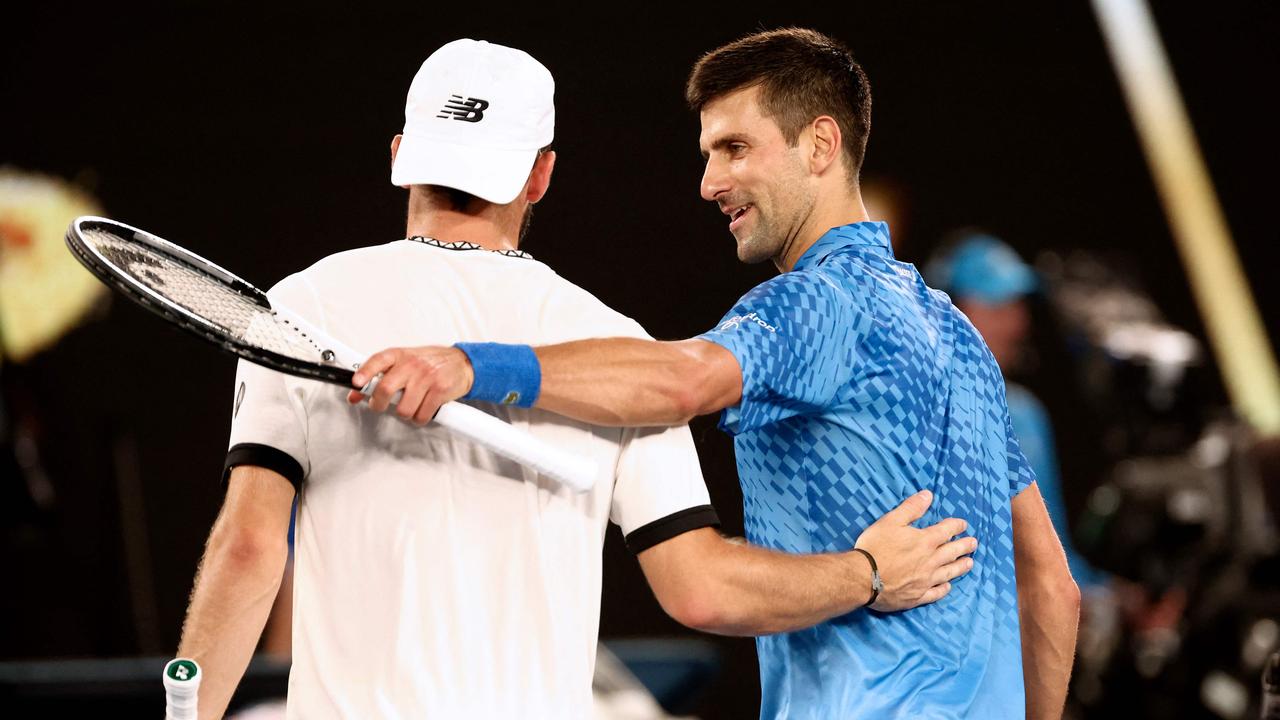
(847, 384)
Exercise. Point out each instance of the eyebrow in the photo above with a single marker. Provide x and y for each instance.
(724, 141)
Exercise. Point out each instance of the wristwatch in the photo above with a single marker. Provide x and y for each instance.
(876, 583)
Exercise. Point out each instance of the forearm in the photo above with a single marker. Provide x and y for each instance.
(630, 382)
(1048, 606)
(234, 590)
(738, 589)
(1048, 615)
(764, 592)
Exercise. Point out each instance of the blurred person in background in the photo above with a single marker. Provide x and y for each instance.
(991, 284)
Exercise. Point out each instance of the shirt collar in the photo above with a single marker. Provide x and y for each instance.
(462, 245)
(873, 235)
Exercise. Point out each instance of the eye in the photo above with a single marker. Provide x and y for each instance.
(737, 149)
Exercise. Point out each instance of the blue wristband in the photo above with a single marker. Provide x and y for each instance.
(504, 374)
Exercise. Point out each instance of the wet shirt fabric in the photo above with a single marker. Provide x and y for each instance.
(861, 386)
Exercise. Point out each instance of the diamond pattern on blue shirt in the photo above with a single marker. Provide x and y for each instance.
(861, 386)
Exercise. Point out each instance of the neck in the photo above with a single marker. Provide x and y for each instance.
(496, 227)
(830, 210)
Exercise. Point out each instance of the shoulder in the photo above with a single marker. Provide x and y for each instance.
(799, 286)
(814, 296)
(334, 265)
(582, 314)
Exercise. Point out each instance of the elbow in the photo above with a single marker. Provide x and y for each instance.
(1056, 590)
(249, 551)
(1069, 591)
(1062, 586)
(699, 612)
(692, 599)
(687, 402)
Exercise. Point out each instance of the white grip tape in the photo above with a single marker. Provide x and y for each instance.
(181, 689)
(575, 472)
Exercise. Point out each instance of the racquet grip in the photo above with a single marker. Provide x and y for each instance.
(574, 471)
(578, 473)
(181, 689)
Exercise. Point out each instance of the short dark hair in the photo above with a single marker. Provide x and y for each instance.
(460, 200)
(802, 74)
(448, 197)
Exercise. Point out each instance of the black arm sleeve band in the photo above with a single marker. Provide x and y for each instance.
(263, 456)
(663, 529)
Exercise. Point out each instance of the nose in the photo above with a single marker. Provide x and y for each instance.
(715, 180)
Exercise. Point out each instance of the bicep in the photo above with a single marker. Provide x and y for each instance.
(715, 377)
(258, 500)
(674, 567)
(1036, 547)
(659, 492)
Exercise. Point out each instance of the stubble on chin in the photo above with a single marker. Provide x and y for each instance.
(756, 247)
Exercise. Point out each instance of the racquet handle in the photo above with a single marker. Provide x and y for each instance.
(181, 689)
(574, 471)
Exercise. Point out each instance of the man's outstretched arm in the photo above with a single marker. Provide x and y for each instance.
(614, 381)
(716, 585)
(1048, 606)
(238, 580)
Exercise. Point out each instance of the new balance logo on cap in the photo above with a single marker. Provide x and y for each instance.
(467, 110)
(504, 100)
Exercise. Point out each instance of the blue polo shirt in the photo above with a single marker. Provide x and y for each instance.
(861, 386)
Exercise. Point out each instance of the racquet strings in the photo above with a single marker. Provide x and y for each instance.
(233, 313)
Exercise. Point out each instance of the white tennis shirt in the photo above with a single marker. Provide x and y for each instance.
(434, 579)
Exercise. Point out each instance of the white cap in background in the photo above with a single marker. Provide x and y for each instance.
(476, 117)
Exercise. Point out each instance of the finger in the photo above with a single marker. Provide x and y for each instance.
(378, 362)
(911, 509)
(946, 529)
(955, 549)
(355, 397)
(952, 570)
(935, 593)
(414, 393)
(429, 407)
(390, 384)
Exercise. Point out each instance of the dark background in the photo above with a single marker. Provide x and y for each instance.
(258, 137)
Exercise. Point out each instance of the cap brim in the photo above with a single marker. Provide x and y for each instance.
(489, 174)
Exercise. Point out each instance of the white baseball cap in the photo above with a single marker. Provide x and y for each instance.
(476, 116)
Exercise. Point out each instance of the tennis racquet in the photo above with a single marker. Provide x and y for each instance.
(181, 689)
(215, 305)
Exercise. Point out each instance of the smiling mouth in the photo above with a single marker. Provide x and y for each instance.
(736, 215)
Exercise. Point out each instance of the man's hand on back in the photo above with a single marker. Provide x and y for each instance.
(916, 565)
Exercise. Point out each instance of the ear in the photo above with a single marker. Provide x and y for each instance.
(395, 146)
(540, 176)
(826, 144)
